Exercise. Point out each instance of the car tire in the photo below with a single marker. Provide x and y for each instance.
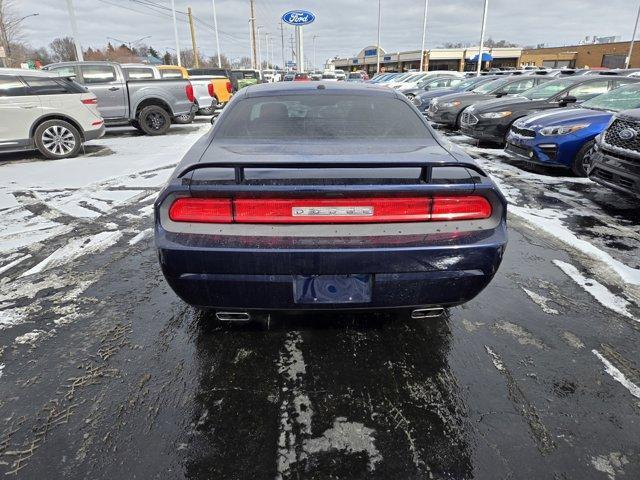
(582, 160)
(185, 118)
(57, 139)
(154, 120)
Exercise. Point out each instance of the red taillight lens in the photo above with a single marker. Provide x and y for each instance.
(189, 91)
(229, 87)
(211, 90)
(348, 210)
(202, 210)
(89, 101)
(329, 210)
(460, 208)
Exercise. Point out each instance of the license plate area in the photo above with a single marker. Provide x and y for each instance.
(330, 289)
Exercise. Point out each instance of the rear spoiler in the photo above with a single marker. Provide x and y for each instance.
(425, 176)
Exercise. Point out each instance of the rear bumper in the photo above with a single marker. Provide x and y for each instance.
(94, 134)
(448, 272)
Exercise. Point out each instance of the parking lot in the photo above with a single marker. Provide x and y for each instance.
(105, 373)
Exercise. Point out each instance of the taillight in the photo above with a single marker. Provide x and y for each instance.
(348, 210)
(471, 207)
(229, 87)
(189, 91)
(326, 210)
(211, 89)
(89, 101)
(201, 210)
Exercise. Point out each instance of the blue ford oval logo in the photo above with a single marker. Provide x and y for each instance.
(627, 134)
(298, 17)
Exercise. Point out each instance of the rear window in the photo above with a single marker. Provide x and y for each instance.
(322, 116)
(139, 73)
(98, 73)
(52, 86)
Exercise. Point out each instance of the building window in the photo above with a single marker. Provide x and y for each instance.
(613, 61)
(371, 52)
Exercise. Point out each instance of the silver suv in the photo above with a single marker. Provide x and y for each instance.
(43, 111)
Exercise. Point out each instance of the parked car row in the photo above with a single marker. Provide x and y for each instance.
(146, 97)
(584, 123)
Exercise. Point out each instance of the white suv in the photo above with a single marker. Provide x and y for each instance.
(40, 110)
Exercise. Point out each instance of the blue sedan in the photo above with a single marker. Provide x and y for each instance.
(307, 196)
(565, 137)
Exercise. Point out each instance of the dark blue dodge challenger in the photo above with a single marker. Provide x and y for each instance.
(327, 196)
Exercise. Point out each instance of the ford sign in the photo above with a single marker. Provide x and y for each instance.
(298, 18)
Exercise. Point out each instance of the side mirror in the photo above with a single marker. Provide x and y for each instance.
(213, 119)
(500, 94)
(568, 99)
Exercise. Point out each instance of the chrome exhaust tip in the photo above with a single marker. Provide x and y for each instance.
(427, 313)
(233, 316)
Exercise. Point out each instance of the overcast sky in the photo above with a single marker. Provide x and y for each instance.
(343, 27)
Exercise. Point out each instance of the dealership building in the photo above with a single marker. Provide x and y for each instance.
(609, 55)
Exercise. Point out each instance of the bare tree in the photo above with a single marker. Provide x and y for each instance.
(10, 33)
(63, 49)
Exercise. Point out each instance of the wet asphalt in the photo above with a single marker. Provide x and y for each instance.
(126, 381)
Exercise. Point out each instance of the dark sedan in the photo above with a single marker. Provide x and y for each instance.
(327, 196)
(490, 120)
(448, 109)
(423, 99)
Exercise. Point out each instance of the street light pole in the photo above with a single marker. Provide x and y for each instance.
(484, 24)
(315, 65)
(175, 31)
(633, 38)
(215, 26)
(266, 41)
(378, 44)
(259, 67)
(424, 33)
(74, 30)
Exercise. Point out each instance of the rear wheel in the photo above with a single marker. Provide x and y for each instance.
(582, 160)
(57, 139)
(154, 120)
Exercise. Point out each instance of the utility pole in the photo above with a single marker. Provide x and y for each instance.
(215, 25)
(484, 24)
(196, 60)
(424, 33)
(633, 38)
(378, 44)
(282, 42)
(175, 31)
(252, 19)
(74, 30)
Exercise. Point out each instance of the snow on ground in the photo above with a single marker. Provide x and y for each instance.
(117, 169)
(557, 204)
